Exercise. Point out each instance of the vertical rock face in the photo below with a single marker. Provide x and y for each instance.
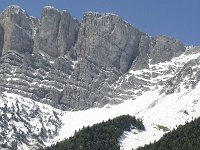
(108, 41)
(142, 60)
(68, 31)
(57, 32)
(105, 49)
(156, 49)
(1, 40)
(17, 30)
(72, 65)
(164, 48)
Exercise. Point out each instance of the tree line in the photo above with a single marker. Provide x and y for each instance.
(185, 137)
(101, 136)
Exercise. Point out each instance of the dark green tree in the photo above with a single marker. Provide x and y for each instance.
(101, 136)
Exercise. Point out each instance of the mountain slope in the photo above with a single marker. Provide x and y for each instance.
(100, 136)
(160, 111)
(69, 64)
(183, 138)
(26, 124)
(93, 70)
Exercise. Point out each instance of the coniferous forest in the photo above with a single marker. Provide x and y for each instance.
(101, 136)
(185, 137)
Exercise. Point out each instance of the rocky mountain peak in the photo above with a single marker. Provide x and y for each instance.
(70, 64)
(164, 48)
(50, 8)
(98, 15)
(57, 32)
(108, 36)
(13, 9)
(17, 28)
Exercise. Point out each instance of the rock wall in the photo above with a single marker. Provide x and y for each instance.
(57, 32)
(1, 40)
(17, 30)
(108, 41)
(164, 48)
(71, 65)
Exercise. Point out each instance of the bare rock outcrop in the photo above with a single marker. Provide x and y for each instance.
(163, 48)
(71, 65)
(108, 41)
(1, 40)
(17, 28)
(57, 32)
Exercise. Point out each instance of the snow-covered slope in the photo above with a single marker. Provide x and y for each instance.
(162, 108)
(26, 124)
(162, 115)
(166, 96)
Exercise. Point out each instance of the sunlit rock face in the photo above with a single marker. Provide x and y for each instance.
(73, 65)
(59, 62)
(57, 32)
(17, 30)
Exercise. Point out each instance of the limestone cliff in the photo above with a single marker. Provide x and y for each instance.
(73, 65)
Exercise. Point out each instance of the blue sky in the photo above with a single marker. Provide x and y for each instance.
(175, 18)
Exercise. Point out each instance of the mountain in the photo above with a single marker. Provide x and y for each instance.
(58, 74)
(183, 138)
(71, 65)
(100, 136)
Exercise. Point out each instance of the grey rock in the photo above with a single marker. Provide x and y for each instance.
(187, 77)
(17, 30)
(57, 32)
(63, 65)
(163, 48)
(39, 93)
(156, 49)
(25, 114)
(68, 32)
(142, 60)
(192, 50)
(108, 41)
(72, 65)
(1, 40)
